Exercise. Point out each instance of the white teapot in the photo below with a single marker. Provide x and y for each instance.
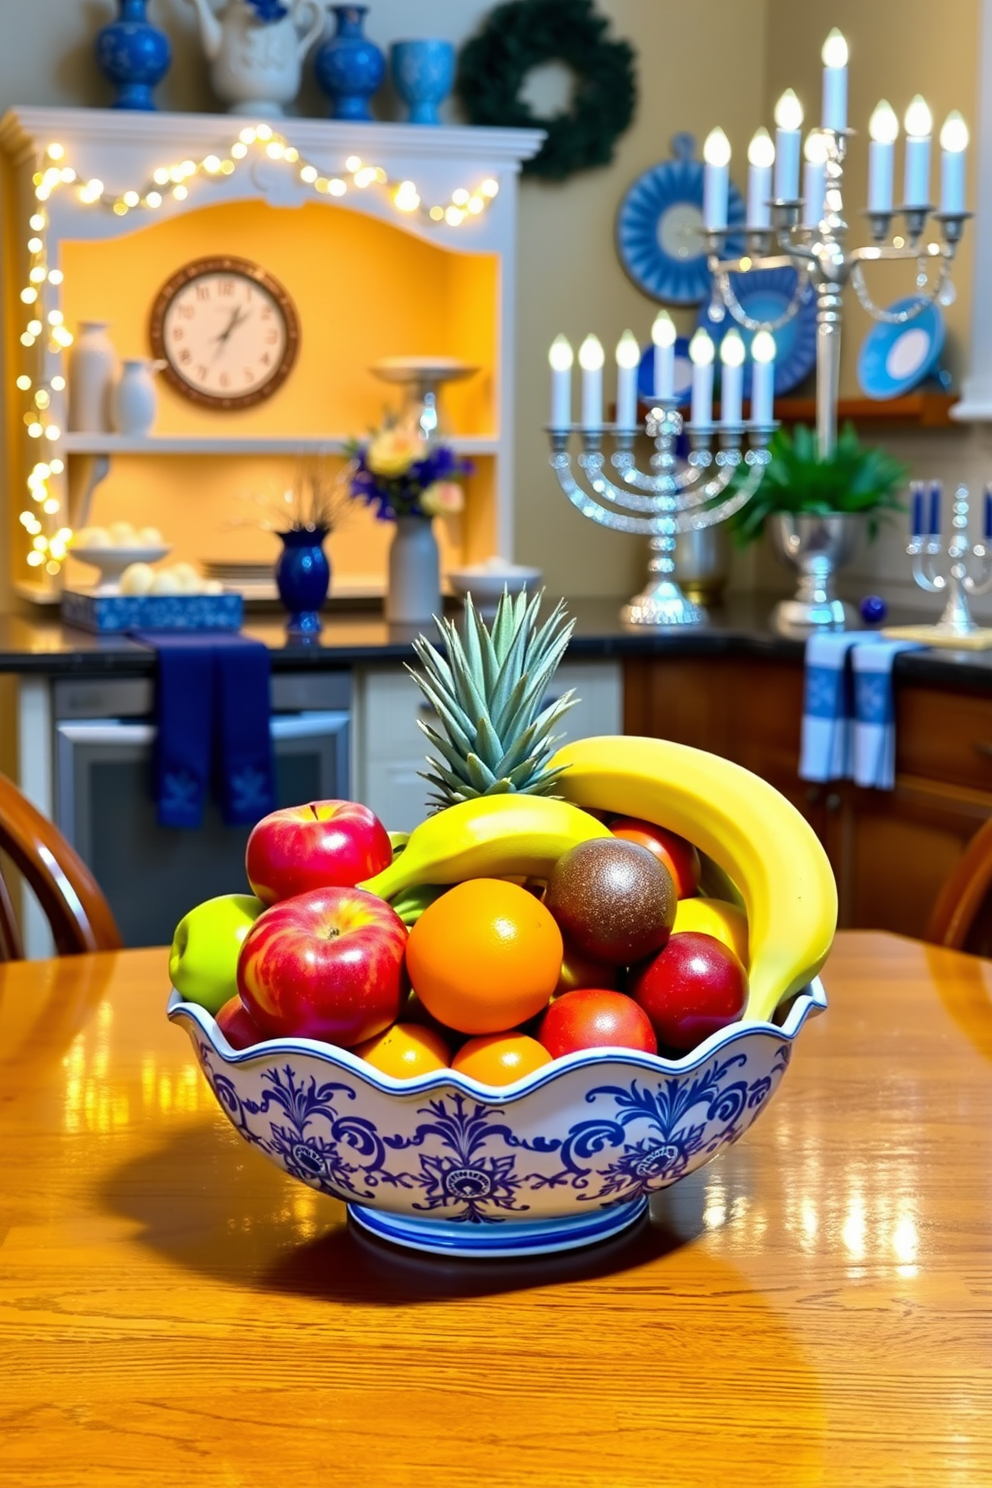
(256, 61)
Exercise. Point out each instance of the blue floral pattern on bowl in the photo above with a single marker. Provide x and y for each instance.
(568, 1155)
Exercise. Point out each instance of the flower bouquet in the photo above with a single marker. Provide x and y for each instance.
(399, 473)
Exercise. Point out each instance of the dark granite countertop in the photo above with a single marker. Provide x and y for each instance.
(44, 647)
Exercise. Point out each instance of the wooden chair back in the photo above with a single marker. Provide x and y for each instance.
(962, 916)
(79, 915)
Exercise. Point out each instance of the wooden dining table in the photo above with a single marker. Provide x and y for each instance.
(814, 1307)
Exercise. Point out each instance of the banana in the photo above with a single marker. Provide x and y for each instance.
(750, 830)
(488, 837)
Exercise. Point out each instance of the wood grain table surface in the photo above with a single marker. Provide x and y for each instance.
(814, 1307)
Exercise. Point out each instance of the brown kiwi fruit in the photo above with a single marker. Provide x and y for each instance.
(613, 900)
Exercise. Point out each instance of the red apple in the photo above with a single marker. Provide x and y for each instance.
(594, 1018)
(693, 987)
(325, 965)
(325, 844)
(237, 1025)
(679, 856)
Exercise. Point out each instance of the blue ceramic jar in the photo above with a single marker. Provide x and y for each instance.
(349, 68)
(133, 54)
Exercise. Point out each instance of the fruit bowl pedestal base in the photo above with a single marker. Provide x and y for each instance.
(498, 1241)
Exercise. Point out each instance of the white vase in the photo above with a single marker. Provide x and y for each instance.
(256, 65)
(414, 593)
(134, 401)
(92, 370)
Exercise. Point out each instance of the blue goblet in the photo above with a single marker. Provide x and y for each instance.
(423, 75)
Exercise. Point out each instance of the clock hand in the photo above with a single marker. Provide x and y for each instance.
(240, 315)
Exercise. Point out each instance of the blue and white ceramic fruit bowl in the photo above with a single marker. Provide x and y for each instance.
(565, 1157)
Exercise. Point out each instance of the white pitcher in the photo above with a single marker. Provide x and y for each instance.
(256, 65)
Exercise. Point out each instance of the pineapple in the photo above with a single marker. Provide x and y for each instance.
(494, 731)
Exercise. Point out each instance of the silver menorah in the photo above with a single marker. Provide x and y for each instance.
(679, 496)
(926, 548)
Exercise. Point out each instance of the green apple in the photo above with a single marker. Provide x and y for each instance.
(203, 961)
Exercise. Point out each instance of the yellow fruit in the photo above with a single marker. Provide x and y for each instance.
(725, 922)
(488, 837)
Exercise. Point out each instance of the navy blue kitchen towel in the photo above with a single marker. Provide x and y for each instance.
(212, 711)
(243, 768)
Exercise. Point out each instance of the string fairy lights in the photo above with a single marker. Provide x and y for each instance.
(49, 544)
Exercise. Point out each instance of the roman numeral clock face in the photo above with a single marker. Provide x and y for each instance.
(227, 332)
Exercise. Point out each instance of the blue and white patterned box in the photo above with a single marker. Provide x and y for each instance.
(112, 613)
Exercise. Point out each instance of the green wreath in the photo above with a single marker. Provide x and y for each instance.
(522, 35)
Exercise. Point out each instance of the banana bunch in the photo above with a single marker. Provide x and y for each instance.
(487, 837)
(747, 827)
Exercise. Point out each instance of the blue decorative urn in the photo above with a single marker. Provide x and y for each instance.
(349, 68)
(303, 577)
(133, 54)
(423, 74)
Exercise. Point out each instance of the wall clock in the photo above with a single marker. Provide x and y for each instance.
(227, 332)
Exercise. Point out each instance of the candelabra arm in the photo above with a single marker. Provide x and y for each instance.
(663, 487)
(645, 526)
(691, 519)
(924, 554)
(668, 483)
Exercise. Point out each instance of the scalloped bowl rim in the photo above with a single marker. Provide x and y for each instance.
(809, 1002)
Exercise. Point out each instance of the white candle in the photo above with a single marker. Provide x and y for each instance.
(591, 359)
(788, 146)
(834, 56)
(919, 124)
(716, 180)
(560, 357)
(628, 362)
(883, 126)
(763, 378)
(731, 378)
(814, 178)
(701, 353)
(761, 158)
(663, 336)
(953, 145)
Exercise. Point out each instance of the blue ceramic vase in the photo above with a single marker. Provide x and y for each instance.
(133, 54)
(349, 68)
(423, 75)
(303, 577)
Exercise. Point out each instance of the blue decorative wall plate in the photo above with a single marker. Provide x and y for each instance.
(895, 358)
(659, 228)
(765, 294)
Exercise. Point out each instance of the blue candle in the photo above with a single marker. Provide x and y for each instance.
(935, 490)
(988, 512)
(917, 511)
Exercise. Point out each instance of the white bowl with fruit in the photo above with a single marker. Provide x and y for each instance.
(572, 985)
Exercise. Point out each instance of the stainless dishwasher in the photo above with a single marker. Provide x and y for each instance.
(152, 875)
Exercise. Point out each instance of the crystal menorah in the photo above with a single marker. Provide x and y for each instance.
(675, 495)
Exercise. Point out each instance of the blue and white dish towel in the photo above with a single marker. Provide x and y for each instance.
(848, 727)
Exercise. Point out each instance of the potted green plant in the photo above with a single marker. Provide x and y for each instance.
(815, 510)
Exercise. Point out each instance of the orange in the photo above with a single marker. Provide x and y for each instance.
(500, 1058)
(716, 917)
(405, 1050)
(485, 956)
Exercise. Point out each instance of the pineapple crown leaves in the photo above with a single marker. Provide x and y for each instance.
(495, 731)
